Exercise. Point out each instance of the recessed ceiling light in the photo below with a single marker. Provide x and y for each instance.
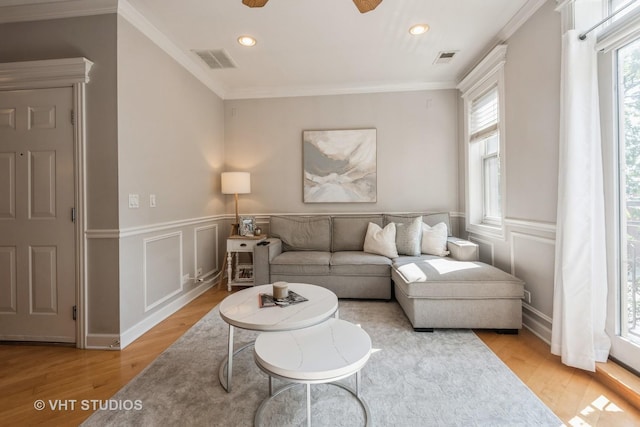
(246, 40)
(418, 29)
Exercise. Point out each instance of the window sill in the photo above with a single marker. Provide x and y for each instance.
(496, 232)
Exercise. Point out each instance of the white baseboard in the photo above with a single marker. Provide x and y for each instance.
(103, 342)
(533, 324)
(136, 331)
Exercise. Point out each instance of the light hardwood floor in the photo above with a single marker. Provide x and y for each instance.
(29, 373)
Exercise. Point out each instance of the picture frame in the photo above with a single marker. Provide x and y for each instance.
(339, 166)
(247, 226)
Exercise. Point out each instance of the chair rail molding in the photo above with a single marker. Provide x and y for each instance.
(547, 227)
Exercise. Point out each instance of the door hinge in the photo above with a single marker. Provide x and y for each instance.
(75, 312)
(73, 214)
(73, 117)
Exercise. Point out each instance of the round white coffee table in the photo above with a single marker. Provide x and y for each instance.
(324, 353)
(241, 310)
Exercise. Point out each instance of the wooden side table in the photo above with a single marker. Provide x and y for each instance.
(243, 272)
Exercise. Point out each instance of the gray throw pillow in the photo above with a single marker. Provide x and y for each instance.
(409, 237)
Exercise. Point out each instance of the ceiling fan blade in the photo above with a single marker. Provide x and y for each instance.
(254, 3)
(365, 6)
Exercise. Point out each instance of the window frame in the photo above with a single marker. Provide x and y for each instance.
(488, 74)
(610, 38)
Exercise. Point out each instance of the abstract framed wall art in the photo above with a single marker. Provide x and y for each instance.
(340, 166)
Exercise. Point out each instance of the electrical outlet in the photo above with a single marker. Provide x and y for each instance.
(185, 279)
(527, 297)
(199, 272)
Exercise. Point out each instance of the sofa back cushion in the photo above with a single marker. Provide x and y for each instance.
(302, 233)
(430, 219)
(349, 231)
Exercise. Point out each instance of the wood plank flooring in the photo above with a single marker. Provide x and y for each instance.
(29, 373)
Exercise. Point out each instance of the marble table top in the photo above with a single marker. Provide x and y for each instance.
(242, 310)
(325, 352)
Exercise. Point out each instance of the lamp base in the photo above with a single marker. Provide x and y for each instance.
(235, 229)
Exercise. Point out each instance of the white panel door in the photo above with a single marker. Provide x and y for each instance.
(37, 234)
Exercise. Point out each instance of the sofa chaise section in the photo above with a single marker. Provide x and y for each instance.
(437, 292)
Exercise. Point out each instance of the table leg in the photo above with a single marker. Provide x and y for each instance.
(230, 359)
(358, 384)
(229, 271)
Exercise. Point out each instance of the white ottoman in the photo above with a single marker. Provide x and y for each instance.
(324, 353)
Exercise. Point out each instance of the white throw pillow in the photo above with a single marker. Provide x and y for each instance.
(381, 241)
(434, 239)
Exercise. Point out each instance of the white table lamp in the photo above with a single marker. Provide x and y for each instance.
(236, 183)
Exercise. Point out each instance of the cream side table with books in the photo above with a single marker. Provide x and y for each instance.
(240, 274)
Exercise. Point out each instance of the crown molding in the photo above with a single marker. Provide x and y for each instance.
(135, 18)
(518, 20)
(12, 11)
(290, 92)
(514, 24)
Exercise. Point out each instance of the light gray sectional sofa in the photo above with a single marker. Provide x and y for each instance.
(454, 291)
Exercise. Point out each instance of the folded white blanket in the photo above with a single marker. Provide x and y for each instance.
(412, 273)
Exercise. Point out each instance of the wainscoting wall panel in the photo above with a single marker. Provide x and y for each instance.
(162, 268)
(159, 271)
(528, 253)
(533, 260)
(486, 248)
(206, 250)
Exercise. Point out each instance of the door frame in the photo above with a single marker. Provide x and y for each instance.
(56, 73)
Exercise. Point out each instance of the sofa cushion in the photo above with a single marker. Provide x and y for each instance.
(409, 236)
(447, 278)
(428, 218)
(301, 262)
(434, 239)
(360, 264)
(302, 233)
(349, 231)
(381, 241)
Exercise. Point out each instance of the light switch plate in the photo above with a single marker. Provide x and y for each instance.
(134, 201)
(152, 200)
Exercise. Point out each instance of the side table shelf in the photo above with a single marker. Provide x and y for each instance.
(240, 274)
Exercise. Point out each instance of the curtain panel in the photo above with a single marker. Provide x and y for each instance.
(580, 291)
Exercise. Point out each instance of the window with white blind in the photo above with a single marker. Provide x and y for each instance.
(484, 129)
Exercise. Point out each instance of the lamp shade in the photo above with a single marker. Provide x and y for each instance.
(236, 182)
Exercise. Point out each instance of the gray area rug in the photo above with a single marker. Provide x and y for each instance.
(445, 378)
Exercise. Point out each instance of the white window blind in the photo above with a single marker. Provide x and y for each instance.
(484, 115)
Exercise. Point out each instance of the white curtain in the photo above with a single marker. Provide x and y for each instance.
(580, 293)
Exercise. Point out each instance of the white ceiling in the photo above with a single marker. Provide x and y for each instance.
(324, 46)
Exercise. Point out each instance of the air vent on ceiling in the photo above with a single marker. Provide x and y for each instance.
(216, 59)
(445, 57)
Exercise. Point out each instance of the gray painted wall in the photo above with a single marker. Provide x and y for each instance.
(532, 109)
(151, 128)
(417, 144)
(93, 37)
(171, 144)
